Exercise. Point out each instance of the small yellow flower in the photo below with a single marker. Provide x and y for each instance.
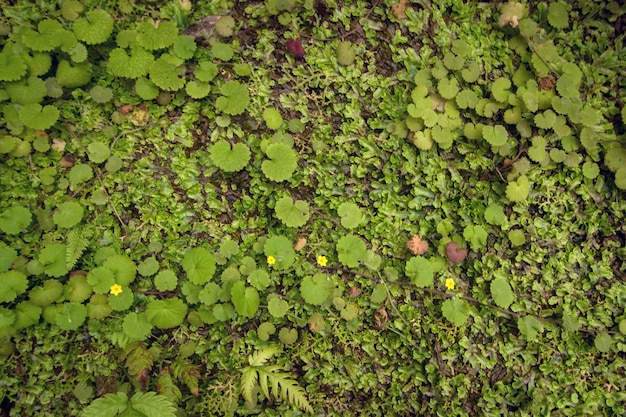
(322, 260)
(116, 289)
(271, 260)
(450, 283)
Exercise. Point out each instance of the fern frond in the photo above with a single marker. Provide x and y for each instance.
(249, 378)
(283, 387)
(76, 245)
(108, 406)
(260, 357)
(139, 362)
(153, 405)
(188, 373)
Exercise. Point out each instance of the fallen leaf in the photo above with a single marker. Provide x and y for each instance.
(416, 245)
(126, 108)
(354, 292)
(455, 254)
(399, 9)
(300, 243)
(67, 161)
(58, 145)
(380, 318)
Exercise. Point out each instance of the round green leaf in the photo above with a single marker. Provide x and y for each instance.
(98, 152)
(502, 293)
(166, 280)
(277, 306)
(230, 158)
(282, 162)
(316, 289)
(68, 215)
(420, 271)
(281, 249)
(167, 313)
(351, 215)
(351, 250)
(292, 213)
(456, 310)
(71, 316)
(199, 265)
(15, 219)
(136, 326)
(52, 257)
(12, 284)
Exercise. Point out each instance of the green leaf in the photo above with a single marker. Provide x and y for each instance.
(517, 237)
(292, 213)
(12, 284)
(317, 288)
(79, 174)
(148, 267)
(265, 330)
(456, 310)
(282, 162)
(448, 88)
(351, 215)
(558, 15)
(288, 336)
(146, 89)
(68, 214)
(206, 71)
(101, 94)
(101, 279)
(167, 72)
(135, 65)
(78, 289)
(590, 170)
(273, 118)
(197, 89)
(502, 293)
(225, 25)
(281, 249)
(199, 265)
(7, 254)
(184, 46)
(495, 135)
(277, 306)
(476, 235)
(259, 279)
(156, 35)
(530, 327)
(167, 313)
(420, 271)
(37, 117)
(136, 326)
(29, 91)
(235, 98)
(537, 152)
(245, 299)
(52, 257)
(603, 342)
(12, 66)
(95, 28)
(471, 73)
(111, 405)
(210, 294)
(345, 53)
(222, 51)
(166, 280)
(71, 316)
(123, 267)
(98, 152)
(47, 293)
(467, 99)
(98, 307)
(351, 250)
(518, 190)
(230, 158)
(122, 301)
(500, 89)
(15, 219)
(27, 314)
(545, 120)
(494, 214)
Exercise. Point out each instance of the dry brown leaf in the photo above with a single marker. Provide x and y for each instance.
(380, 318)
(354, 292)
(416, 245)
(67, 161)
(58, 145)
(399, 9)
(300, 243)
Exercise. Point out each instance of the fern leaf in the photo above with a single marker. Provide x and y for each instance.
(261, 356)
(249, 378)
(167, 387)
(188, 373)
(283, 387)
(108, 406)
(139, 362)
(153, 405)
(76, 245)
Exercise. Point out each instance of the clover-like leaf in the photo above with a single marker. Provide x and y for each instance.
(136, 326)
(351, 250)
(167, 72)
(156, 35)
(558, 15)
(53, 259)
(456, 310)
(420, 271)
(12, 284)
(68, 214)
(277, 306)
(95, 28)
(230, 157)
(502, 293)
(317, 288)
(292, 213)
(79, 174)
(246, 299)
(496, 135)
(265, 330)
(15, 219)
(37, 117)
(545, 120)
(166, 280)
(167, 313)
(518, 190)
(500, 89)
(351, 214)
(282, 162)
(7, 255)
(235, 98)
(467, 99)
(537, 152)
(199, 264)
(448, 88)
(197, 89)
(135, 65)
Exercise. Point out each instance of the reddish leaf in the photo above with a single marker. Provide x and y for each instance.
(417, 246)
(294, 46)
(455, 254)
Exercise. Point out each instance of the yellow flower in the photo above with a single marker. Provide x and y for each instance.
(116, 289)
(271, 260)
(450, 283)
(322, 260)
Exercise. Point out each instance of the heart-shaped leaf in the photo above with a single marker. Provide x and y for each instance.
(455, 254)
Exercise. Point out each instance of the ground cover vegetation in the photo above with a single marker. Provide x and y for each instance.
(312, 207)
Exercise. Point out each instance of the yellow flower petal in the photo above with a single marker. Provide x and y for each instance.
(450, 283)
(322, 260)
(271, 260)
(116, 289)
